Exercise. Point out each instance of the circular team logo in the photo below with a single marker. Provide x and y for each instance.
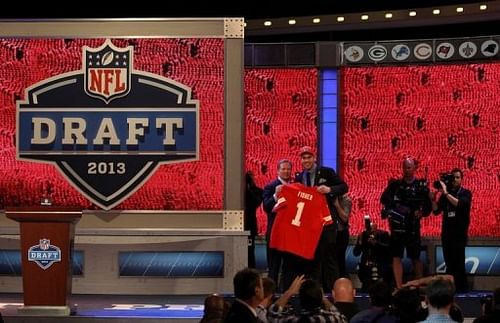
(422, 51)
(467, 49)
(489, 48)
(445, 50)
(354, 54)
(377, 53)
(400, 52)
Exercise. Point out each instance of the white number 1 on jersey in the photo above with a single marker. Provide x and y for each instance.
(300, 208)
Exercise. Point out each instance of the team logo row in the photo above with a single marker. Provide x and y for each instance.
(421, 51)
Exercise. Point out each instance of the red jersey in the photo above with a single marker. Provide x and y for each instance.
(301, 213)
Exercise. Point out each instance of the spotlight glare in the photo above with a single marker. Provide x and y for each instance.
(316, 20)
(460, 9)
(483, 7)
(436, 12)
(364, 17)
(340, 19)
(292, 22)
(388, 15)
(412, 13)
(267, 23)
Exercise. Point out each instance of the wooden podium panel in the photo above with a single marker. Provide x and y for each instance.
(47, 237)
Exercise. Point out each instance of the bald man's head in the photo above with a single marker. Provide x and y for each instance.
(343, 290)
(409, 167)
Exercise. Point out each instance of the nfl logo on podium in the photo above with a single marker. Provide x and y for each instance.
(44, 254)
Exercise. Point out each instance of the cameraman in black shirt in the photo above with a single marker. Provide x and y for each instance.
(455, 203)
(373, 246)
(405, 201)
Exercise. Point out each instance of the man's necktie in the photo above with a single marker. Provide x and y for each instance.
(308, 179)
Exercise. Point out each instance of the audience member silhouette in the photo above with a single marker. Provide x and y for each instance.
(314, 306)
(215, 309)
(439, 296)
(407, 305)
(491, 315)
(343, 294)
(248, 293)
(380, 300)
(269, 290)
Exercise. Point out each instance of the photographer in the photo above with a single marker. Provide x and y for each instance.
(455, 203)
(373, 246)
(405, 201)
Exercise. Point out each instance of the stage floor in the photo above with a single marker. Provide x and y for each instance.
(188, 308)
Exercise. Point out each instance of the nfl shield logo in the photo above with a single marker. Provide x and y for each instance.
(107, 71)
(44, 244)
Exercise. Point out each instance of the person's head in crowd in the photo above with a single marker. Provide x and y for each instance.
(310, 295)
(380, 294)
(215, 308)
(408, 305)
(248, 286)
(307, 157)
(439, 293)
(343, 291)
(285, 169)
(269, 289)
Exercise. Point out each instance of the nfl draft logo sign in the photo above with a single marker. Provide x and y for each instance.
(44, 254)
(108, 127)
(107, 72)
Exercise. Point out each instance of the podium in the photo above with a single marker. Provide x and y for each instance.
(47, 238)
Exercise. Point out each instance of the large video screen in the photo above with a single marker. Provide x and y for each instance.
(281, 112)
(196, 64)
(444, 116)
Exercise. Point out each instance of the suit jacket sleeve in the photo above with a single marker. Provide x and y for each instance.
(337, 185)
(268, 197)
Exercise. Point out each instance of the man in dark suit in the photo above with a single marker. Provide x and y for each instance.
(249, 293)
(275, 257)
(327, 182)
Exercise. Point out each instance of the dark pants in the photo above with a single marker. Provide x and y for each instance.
(326, 267)
(454, 257)
(294, 266)
(274, 262)
(341, 247)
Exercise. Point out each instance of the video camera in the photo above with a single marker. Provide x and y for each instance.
(396, 215)
(418, 192)
(446, 178)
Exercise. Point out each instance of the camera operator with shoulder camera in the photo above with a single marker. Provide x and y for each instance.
(455, 203)
(405, 201)
(373, 246)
